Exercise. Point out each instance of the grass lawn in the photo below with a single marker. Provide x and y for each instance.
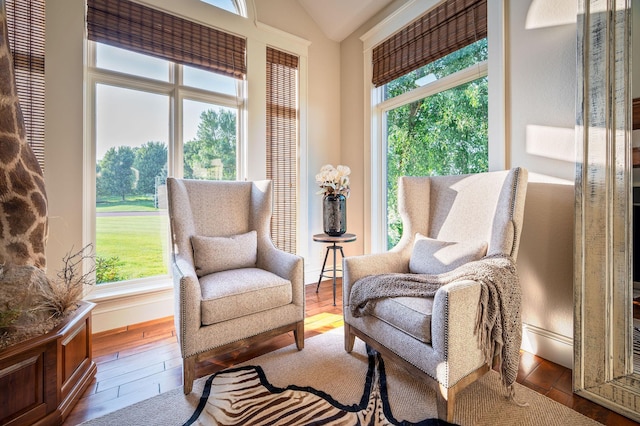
(139, 241)
(138, 203)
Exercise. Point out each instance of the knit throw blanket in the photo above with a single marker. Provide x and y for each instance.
(498, 324)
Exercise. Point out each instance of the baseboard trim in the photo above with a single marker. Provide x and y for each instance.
(551, 346)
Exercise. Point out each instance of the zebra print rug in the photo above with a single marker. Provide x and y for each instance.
(244, 396)
(322, 384)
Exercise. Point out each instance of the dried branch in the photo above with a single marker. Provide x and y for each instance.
(63, 294)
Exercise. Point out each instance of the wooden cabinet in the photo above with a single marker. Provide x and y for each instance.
(42, 378)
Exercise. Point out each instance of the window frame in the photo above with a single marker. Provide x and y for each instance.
(177, 94)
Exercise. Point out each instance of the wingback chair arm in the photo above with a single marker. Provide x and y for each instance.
(183, 268)
(453, 324)
(186, 290)
(356, 267)
(285, 265)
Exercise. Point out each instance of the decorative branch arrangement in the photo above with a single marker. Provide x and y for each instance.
(61, 296)
(32, 304)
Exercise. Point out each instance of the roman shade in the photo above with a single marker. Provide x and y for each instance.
(448, 27)
(26, 25)
(282, 145)
(149, 31)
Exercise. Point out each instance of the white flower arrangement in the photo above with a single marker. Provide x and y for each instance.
(334, 180)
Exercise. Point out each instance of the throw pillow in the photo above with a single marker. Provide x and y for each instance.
(215, 254)
(430, 256)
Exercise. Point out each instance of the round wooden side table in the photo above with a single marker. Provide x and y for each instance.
(324, 238)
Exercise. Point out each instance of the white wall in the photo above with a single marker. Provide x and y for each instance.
(542, 76)
(64, 127)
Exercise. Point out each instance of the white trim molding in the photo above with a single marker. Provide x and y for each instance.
(127, 309)
(551, 346)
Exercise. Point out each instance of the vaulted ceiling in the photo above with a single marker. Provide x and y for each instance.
(339, 18)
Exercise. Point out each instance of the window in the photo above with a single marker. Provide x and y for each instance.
(134, 146)
(432, 103)
(165, 113)
(234, 6)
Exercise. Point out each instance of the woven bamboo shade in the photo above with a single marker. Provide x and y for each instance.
(145, 30)
(282, 145)
(448, 27)
(26, 25)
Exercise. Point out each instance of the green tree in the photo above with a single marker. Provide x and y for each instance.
(150, 161)
(116, 172)
(215, 143)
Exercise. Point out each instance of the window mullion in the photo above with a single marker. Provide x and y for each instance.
(176, 125)
(130, 82)
(445, 83)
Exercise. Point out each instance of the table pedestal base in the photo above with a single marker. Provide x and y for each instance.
(323, 274)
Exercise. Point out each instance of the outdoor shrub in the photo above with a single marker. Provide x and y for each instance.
(108, 269)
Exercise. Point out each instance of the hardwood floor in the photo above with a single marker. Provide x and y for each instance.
(143, 360)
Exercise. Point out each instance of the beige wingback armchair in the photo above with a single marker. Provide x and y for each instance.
(232, 286)
(434, 337)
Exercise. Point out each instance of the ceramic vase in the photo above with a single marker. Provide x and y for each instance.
(334, 214)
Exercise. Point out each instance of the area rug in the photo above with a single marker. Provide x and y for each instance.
(322, 384)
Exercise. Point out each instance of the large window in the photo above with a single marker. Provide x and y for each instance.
(432, 103)
(165, 100)
(153, 118)
(442, 133)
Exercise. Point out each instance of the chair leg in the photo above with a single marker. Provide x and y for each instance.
(298, 335)
(349, 338)
(445, 402)
(188, 373)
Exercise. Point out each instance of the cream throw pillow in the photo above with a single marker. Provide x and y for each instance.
(215, 254)
(431, 256)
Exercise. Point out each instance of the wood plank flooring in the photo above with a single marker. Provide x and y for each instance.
(143, 360)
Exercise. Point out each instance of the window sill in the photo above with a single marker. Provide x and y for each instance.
(120, 305)
(109, 292)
